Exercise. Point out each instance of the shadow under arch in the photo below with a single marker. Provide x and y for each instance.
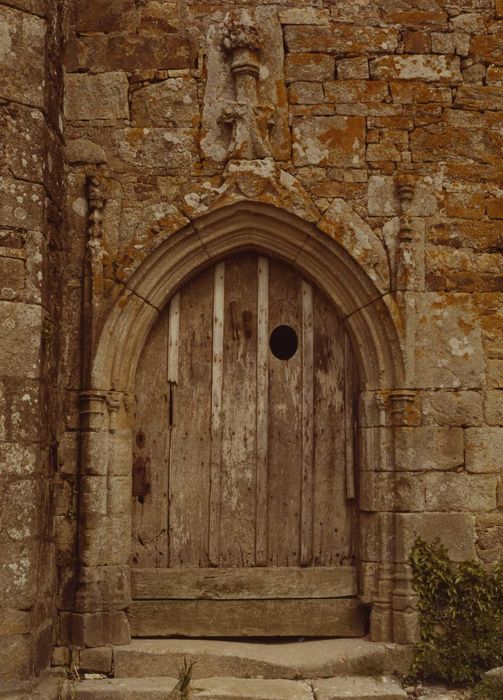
(373, 324)
(370, 314)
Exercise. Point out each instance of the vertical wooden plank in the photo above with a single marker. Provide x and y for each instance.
(348, 412)
(216, 411)
(332, 542)
(149, 527)
(262, 410)
(239, 401)
(285, 422)
(174, 338)
(191, 432)
(306, 553)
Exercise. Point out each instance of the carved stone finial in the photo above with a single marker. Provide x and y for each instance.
(97, 203)
(404, 260)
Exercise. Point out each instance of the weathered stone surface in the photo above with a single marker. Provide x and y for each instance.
(21, 327)
(24, 142)
(479, 97)
(355, 91)
(484, 450)
(493, 407)
(426, 448)
(97, 660)
(308, 659)
(438, 142)
(417, 67)
(463, 492)
(383, 199)
(172, 102)
(309, 66)
(129, 53)
(455, 530)
(489, 541)
(104, 15)
(302, 92)
(489, 47)
(159, 17)
(353, 68)
(85, 151)
(22, 50)
(251, 689)
(156, 147)
(344, 225)
(341, 38)
(22, 204)
(336, 140)
(304, 15)
(361, 687)
(448, 343)
(125, 689)
(454, 408)
(103, 96)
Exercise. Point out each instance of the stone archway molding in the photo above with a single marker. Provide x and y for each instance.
(344, 257)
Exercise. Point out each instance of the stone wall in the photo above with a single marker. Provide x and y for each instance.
(378, 122)
(31, 244)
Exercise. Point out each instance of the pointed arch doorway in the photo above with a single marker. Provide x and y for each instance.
(244, 499)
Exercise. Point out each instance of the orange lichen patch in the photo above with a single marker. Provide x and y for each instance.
(134, 135)
(489, 47)
(465, 205)
(419, 20)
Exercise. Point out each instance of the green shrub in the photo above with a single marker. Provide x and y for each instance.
(461, 616)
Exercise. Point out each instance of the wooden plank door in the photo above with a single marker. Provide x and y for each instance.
(243, 491)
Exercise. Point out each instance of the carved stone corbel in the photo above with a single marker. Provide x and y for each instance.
(405, 259)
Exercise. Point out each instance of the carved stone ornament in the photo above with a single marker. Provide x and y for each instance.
(97, 203)
(244, 113)
(404, 260)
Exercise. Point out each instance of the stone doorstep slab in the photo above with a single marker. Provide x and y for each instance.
(204, 689)
(358, 688)
(307, 659)
(226, 688)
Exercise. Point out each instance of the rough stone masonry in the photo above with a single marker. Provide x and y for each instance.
(128, 125)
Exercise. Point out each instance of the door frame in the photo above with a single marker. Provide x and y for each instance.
(372, 321)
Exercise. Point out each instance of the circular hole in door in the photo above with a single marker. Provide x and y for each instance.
(283, 342)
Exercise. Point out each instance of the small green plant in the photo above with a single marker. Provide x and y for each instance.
(181, 689)
(461, 616)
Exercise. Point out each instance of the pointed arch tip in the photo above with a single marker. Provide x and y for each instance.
(342, 257)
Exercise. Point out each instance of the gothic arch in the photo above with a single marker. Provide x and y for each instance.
(372, 322)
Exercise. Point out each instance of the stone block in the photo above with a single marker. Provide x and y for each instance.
(103, 96)
(341, 91)
(16, 621)
(85, 151)
(163, 148)
(489, 540)
(336, 140)
(172, 102)
(12, 277)
(440, 142)
(22, 55)
(104, 15)
(428, 448)
(159, 17)
(303, 92)
(61, 656)
(484, 450)
(23, 204)
(493, 408)
(456, 532)
(129, 52)
(389, 491)
(309, 66)
(21, 328)
(462, 492)
(361, 687)
(97, 660)
(417, 67)
(353, 68)
(23, 417)
(383, 198)
(489, 47)
(406, 627)
(18, 574)
(452, 408)
(304, 15)
(451, 43)
(448, 342)
(19, 515)
(416, 92)
(480, 97)
(418, 42)
(25, 140)
(15, 659)
(340, 38)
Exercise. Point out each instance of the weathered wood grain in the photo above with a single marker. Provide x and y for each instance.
(149, 512)
(191, 436)
(262, 410)
(238, 449)
(306, 546)
(349, 376)
(337, 617)
(285, 422)
(244, 583)
(216, 412)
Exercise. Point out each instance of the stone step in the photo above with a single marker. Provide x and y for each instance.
(358, 688)
(202, 689)
(294, 660)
